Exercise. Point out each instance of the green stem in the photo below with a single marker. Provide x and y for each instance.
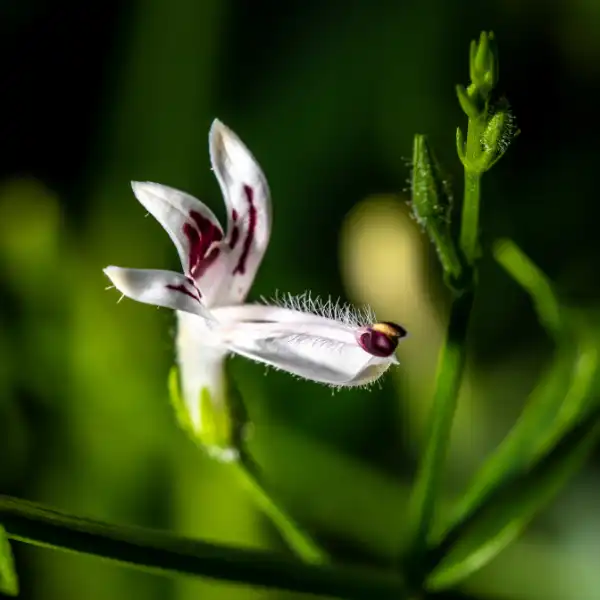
(469, 230)
(298, 540)
(448, 379)
(158, 551)
(470, 216)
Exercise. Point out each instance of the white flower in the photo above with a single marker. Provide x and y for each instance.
(324, 343)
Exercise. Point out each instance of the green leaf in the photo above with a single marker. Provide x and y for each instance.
(557, 401)
(158, 551)
(496, 522)
(540, 451)
(9, 584)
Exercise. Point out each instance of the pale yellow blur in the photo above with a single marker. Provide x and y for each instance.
(387, 262)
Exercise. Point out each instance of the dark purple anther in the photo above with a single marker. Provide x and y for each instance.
(381, 339)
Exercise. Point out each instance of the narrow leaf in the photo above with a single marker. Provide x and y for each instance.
(473, 542)
(158, 551)
(547, 444)
(560, 397)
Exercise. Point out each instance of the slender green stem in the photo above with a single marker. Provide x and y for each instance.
(297, 539)
(470, 216)
(448, 379)
(158, 551)
(469, 230)
(452, 357)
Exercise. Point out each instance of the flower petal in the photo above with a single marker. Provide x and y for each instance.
(305, 344)
(247, 197)
(194, 229)
(161, 288)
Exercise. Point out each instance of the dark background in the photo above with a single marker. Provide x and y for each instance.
(328, 96)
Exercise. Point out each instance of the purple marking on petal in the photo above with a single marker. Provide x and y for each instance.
(181, 288)
(234, 215)
(252, 219)
(377, 343)
(201, 234)
(235, 236)
(206, 262)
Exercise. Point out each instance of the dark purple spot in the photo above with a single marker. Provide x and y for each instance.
(252, 218)
(235, 236)
(234, 215)
(377, 343)
(201, 234)
(181, 288)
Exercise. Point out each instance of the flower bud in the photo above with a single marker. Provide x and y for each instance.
(483, 63)
(432, 204)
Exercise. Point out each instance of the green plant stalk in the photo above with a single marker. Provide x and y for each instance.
(469, 230)
(452, 359)
(158, 551)
(448, 380)
(296, 538)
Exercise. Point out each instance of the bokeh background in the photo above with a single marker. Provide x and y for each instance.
(328, 96)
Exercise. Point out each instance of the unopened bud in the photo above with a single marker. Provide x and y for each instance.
(498, 133)
(432, 204)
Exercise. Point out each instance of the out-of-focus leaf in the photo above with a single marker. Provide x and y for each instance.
(558, 400)
(9, 584)
(497, 521)
(554, 434)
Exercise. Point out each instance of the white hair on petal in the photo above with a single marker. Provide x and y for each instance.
(330, 309)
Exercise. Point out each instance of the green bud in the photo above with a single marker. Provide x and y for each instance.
(483, 66)
(222, 421)
(499, 132)
(432, 204)
(430, 199)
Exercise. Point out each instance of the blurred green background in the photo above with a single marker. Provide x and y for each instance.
(327, 95)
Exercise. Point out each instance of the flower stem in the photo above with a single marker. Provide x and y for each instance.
(477, 155)
(469, 230)
(298, 540)
(447, 385)
(158, 551)
(470, 216)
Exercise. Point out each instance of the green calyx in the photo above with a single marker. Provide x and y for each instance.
(221, 421)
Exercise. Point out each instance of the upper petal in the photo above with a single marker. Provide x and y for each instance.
(194, 229)
(247, 197)
(305, 344)
(161, 288)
